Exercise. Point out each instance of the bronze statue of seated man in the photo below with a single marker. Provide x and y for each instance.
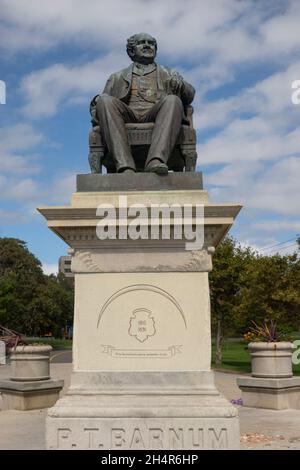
(143, 92)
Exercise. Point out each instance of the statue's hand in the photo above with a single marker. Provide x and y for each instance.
(176, 83)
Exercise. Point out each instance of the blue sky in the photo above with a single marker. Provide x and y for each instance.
(241, 56)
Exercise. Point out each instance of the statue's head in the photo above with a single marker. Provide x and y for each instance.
(142, 48)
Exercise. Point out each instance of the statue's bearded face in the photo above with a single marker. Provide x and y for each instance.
(144, 50)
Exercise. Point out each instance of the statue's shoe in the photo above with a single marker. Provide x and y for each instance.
(156, 166)
(127, 170)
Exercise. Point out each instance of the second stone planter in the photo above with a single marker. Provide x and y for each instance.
(271, 360)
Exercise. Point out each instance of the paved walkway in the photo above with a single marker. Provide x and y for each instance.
(260, 429)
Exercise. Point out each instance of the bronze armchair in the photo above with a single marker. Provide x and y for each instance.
(184, 156)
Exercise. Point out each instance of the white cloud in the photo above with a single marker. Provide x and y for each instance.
(25, 189)
(278, 189)
(210, 43)
(106, 24)
(12, 217)
(17, 168)
(19, 137)
(270, 246)
(281, 32)
(278, 226)
(18, 181)
(249, 140)
(274, 189)
(233, 174)
(211, 37)
(50, 268)
(227, 30)
(48, 89)
(16, 140)
(27, 194)
(270, 98)
(260, 154)
(61, 189)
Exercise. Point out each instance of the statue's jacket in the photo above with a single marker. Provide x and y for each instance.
(119, 84)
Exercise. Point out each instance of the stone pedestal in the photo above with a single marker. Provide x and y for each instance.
(274, 394)
(142, 345)
(30, 395)
(30, 386)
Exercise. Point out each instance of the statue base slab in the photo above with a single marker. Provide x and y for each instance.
(142, 342)
(139, 182)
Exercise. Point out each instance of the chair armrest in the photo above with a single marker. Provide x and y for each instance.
(93, 111)
(189, 110)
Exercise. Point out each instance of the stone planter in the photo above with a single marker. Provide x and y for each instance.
(29, 386)
(30, 363)
(271, 360)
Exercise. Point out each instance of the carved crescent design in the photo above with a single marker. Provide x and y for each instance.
(145, 287)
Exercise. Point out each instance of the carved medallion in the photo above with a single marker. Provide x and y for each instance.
(142, 324)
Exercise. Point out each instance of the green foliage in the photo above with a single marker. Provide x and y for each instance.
(227, 280)
(16, 258)
(31, 302)
(247, 287)
(271, 291)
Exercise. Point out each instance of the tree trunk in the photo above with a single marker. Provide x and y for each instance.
(219, 340)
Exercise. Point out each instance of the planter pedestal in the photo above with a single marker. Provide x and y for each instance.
(274, 394)
(141, 347)
(30, 395)
(272, 384)
(30, 386)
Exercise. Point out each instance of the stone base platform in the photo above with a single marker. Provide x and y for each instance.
(143, 410)
(274, 394)
(142, 341)
(30, 395)
(139, 182)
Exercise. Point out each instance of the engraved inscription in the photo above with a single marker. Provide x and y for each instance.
(93, 438)
(218, 438)
(142, 324)
(196, 437)
(118, 437)
(142, 353)
(156, 438)
(137, 441)
(64, 436)
(176, 440)
(141, 437)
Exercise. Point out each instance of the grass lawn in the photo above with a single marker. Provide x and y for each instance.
(55, 343)
(237, 358)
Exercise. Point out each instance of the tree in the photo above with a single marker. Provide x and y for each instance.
(271, 291)
(247, 287)
(52, 307)
(16, 258)
(30, 301)
(226, 281)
